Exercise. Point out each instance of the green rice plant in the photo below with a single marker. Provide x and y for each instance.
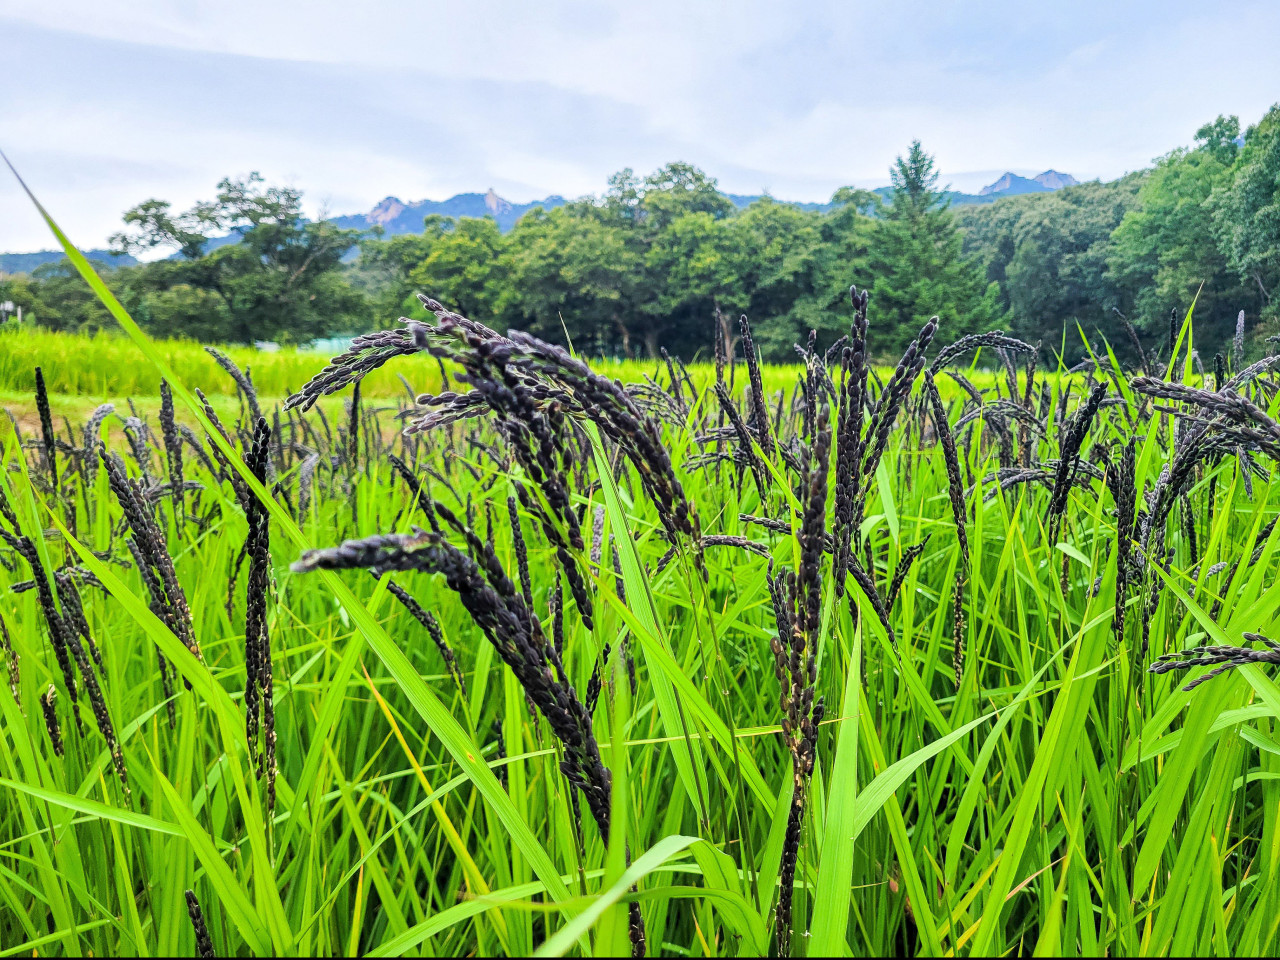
(838, 661)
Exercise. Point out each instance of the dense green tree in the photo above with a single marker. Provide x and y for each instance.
(1246, 212)
(461, 264)
(675, 210)
(180, 310)
(838, 260)
(1220, 138)
(570, 274)
(1163, 255)
(697, 263)
(787, 271)
(381, 271)
(25, 293)
(55, 296)
(155, 225)
(280, 277)
(678, 189)
(918, 264)
(1049, 254)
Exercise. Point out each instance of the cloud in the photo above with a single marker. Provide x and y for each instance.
(105, 105)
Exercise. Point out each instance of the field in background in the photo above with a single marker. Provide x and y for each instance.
(107, 366)
(83, 371)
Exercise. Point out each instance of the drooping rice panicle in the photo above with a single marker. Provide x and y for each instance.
(797, 601)
(995, 340)
(243, 384)
(557, 615)
(73, 613)
(204, 945)
(955, 488)
(258, 694)
(138, 437)
(1249, 374)
(366, 353)
(53, 619)
(1125, 495)
(849, 440)
(594, 682)
(884, 413)
(173, 452)
(168, 595)
(1073, 435)
(306, 480)
(1222, 659)
(428, 620)
(957, 630)
(47, 436)
(445, 408)
(498, 609)
(761, 415)
(12, 662)
(353, 426)
(745, 447)
(522, 551)
(48, 700)
(907, 561)
(69, 649)
(1226, 404)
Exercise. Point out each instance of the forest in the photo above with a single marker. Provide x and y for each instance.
(659, 261)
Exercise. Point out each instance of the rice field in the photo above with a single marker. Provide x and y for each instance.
(106, 367)
(830, 660)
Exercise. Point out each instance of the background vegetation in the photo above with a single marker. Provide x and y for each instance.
(653, 261)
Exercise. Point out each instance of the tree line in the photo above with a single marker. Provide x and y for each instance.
(1202, 226)
(662, 261)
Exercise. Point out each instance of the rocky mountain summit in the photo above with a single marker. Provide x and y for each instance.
(1011, 185)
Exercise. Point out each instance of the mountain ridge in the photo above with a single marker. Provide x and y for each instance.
(1012, 185)
(30, 262)
(394, 216)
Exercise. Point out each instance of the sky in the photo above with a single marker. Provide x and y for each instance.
(104, 104)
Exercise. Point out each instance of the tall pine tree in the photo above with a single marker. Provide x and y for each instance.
(919, 271)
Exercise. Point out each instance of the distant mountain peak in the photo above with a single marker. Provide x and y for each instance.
(1055, 180)
(495, 204)
(397, 216)
(1011, 184)
(386, 211)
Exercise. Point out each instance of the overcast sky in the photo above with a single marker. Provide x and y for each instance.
(104, 104)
